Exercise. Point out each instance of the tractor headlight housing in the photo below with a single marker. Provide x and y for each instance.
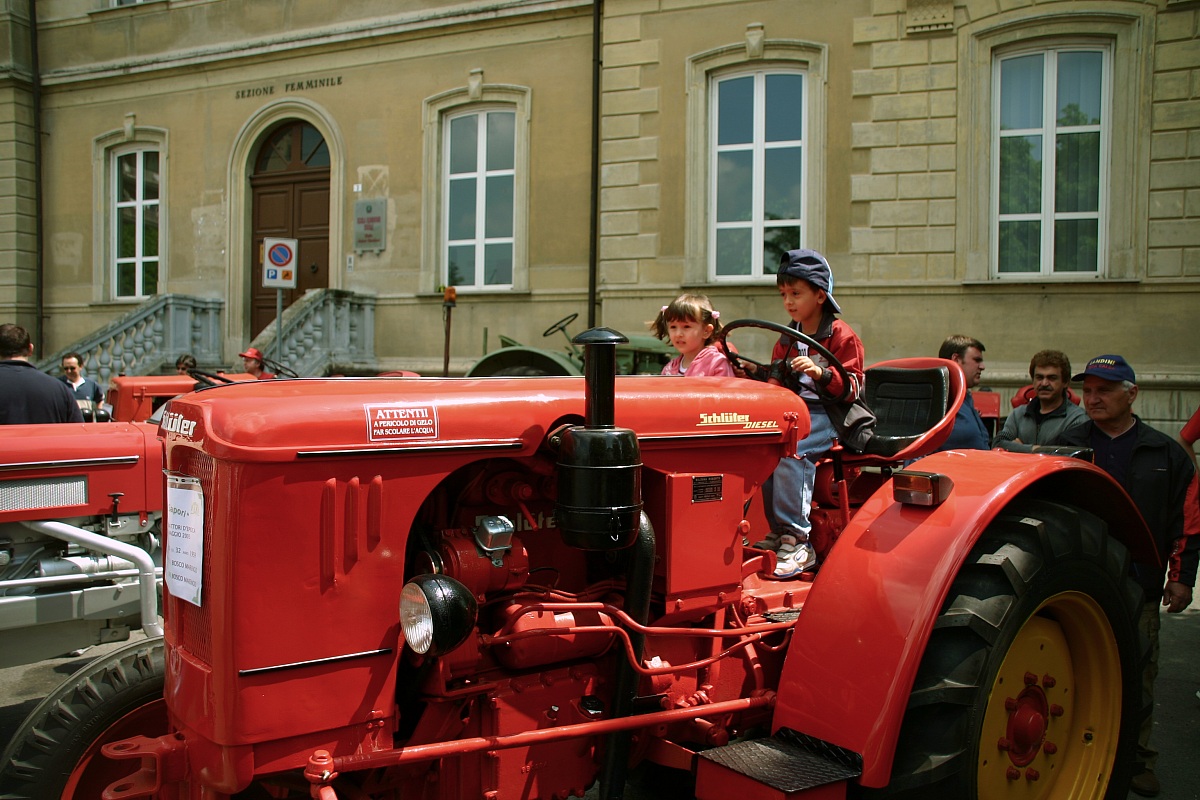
(437, 614)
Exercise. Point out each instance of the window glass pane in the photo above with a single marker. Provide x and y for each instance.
(127, 178)
(1021, 92)
(498, 211)
(735, 185)
(149, 230)
(462, 265)
(735, 110)
(1020, 246)
(1076, 245)
(149, 277)
(1020, 174)
(315, 152)
(776, 242)
(150, 175)
(500, 139)
(1077, 172)
(127, 232)
(781, 183)
(785, 107)
(1079, 88)
(461, 215)
(126, 280)
(497, 264)
(464, 143)
(276, 154)
(733, 251)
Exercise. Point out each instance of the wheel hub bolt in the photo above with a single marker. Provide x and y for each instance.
(1030, 679)
(1013, 773)
(1032, 774)
(1056, 710)
(1048, 682)
(1010, 704)
(1004, 744)
(1050, 748)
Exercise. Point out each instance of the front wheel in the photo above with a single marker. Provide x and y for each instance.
(1031, 681)
(56, 751)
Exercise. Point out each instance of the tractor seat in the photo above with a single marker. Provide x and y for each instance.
(908, 404)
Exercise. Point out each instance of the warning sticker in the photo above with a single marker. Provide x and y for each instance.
(393, 422)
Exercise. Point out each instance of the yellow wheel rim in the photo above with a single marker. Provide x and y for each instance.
(1054, 712)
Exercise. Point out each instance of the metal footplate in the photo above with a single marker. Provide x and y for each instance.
(793, 765)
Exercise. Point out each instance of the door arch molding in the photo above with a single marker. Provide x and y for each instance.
(245, 146)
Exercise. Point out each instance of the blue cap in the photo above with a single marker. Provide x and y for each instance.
(811, 266)
(1110, 368)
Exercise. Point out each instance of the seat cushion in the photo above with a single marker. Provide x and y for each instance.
(907, 403)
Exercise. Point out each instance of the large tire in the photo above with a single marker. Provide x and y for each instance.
(1031, 681)
(56, 751)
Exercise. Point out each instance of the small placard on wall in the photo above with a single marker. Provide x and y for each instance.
(370, 225)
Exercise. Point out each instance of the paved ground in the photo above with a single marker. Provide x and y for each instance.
(1176, 717)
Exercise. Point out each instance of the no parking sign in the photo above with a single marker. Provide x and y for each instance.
(279, 263)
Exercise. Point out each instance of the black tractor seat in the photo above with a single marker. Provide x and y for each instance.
(908, 403)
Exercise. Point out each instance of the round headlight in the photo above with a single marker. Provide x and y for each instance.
(437, 613)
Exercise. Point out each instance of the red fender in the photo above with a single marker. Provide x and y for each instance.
(865, 624)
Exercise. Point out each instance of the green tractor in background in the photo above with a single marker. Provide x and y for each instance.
(643, 355)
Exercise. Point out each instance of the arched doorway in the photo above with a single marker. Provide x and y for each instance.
(290, 187)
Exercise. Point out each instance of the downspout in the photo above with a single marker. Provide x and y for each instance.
(594, 231)
(38, 234)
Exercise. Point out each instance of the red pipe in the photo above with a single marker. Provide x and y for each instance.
(460, 747)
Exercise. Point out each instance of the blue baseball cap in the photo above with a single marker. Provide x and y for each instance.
(811, 266)
(1110, 368)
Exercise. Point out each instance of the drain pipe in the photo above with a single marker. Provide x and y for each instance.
(594, 227)
(39, 250)
(147, 575)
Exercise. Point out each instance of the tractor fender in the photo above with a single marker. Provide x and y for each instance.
(864, 627)
(521, 360)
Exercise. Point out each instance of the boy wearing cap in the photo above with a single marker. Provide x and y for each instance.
(1155, 471)
(806, 285)
(252, 362)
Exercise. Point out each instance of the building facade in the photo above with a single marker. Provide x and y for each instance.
(1027, 173)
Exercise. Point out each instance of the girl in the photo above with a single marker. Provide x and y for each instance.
(691, 324)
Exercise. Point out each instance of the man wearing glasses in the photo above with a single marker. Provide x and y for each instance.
(87, 391)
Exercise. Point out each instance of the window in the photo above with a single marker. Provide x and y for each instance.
(1050, 149)
(474, 227)
(478, 195)
(757, 174)
(135, 224)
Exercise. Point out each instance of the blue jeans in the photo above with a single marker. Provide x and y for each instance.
(788, 493)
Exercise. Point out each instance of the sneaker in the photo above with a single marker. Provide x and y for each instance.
(793, 558)
(1145, 784)
(772, 542)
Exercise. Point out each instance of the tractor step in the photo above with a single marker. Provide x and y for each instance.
(782, 767)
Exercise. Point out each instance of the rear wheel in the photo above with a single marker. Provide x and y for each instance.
(56, 751)
(1031, 681)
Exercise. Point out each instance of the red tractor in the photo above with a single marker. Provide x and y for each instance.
(517, 588)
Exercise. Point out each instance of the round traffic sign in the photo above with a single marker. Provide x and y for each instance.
(280, 255)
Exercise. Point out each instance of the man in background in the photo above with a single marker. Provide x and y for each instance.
(28, 395)
(969, 432)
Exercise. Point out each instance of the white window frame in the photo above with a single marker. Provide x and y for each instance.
(1129, 31)
(758, 148)
(1048, 132)
(106, 149)
(438, 111)
(480, 240)
(139, 204)
(752, 54)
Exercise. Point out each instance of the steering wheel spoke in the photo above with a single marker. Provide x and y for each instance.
(736, 358)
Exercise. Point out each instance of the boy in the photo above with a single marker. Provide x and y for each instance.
(806, 286)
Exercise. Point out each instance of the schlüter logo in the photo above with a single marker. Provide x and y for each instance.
(394, 422)
(743, 421)
(173, 422)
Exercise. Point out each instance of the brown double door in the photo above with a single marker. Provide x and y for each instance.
(289, 203)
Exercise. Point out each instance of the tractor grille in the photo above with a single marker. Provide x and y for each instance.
(193, 625)
(70, 490)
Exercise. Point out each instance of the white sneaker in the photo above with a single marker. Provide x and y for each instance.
(793, 558)
(772, 541)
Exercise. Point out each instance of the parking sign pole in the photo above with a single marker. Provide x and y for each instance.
(279, 325)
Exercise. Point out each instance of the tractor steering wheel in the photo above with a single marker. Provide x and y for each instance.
(208, 378)
(738, 360)
(561, 325)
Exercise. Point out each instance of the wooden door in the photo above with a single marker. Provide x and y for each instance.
(290, 201)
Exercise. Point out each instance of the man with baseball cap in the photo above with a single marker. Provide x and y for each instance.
(1155, 471)
(252, 362)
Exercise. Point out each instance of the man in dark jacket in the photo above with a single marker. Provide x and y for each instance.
(1155, 471)
(28, 395)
